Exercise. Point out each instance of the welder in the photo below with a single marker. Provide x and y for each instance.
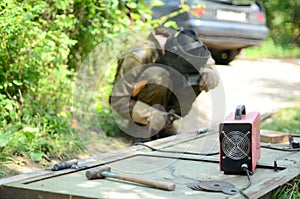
(158, 79)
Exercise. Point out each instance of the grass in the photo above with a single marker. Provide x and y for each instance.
(288, 191)
(286, 120)
(269, 49)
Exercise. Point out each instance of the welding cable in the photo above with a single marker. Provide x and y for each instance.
(248, 173)
(171, 151)
(281, 149)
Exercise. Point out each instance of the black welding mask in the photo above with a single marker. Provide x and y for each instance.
(187, 54)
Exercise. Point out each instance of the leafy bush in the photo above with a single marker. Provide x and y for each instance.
(101, 21)
(42, 45)
(283, 21)
(36, 83)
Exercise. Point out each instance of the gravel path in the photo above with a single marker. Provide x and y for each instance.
(264, 86)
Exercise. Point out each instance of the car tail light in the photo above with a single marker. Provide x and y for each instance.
(257, 18)
(198, 10)
(261, 17)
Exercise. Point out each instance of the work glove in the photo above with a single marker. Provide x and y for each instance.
(209, 79)
(150, 116)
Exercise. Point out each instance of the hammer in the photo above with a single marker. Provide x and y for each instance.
(101, 173)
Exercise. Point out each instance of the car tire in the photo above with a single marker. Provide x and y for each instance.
(224, 57)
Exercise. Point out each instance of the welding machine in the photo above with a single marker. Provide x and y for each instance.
(239, 139)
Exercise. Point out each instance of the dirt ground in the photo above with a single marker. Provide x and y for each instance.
(261, 85)
(264, 86)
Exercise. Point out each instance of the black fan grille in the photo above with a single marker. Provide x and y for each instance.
(236, 145)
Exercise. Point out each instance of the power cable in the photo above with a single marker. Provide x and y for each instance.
(281, 149)
(245, 168)
(171, 151)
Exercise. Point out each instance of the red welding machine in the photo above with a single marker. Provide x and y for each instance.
(239, 139)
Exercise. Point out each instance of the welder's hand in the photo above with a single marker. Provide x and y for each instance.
(172, 116)
(158, 120)
(161, 120)
(147, 115)
(209, 79)
(151, 116)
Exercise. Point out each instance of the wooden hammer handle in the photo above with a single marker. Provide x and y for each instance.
(169, 186)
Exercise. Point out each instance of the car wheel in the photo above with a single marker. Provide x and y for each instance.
(224, 57)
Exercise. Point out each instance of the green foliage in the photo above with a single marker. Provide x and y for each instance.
(41, 45)
(288, 191)
(42, 139)
(104, 113)
(101, 21)
(270, 49)
(286, 120)
(36, 83)
(283, 20)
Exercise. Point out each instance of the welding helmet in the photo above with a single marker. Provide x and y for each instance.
(185, 52)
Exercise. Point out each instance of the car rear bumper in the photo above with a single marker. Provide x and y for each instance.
(228, 43)
(229, 35)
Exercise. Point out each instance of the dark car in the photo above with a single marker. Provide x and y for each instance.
(224, 26)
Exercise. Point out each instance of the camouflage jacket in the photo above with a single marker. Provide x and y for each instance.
(130, 65)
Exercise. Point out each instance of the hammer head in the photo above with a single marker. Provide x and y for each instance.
(96, 173)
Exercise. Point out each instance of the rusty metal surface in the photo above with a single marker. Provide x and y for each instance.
(179, 168)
